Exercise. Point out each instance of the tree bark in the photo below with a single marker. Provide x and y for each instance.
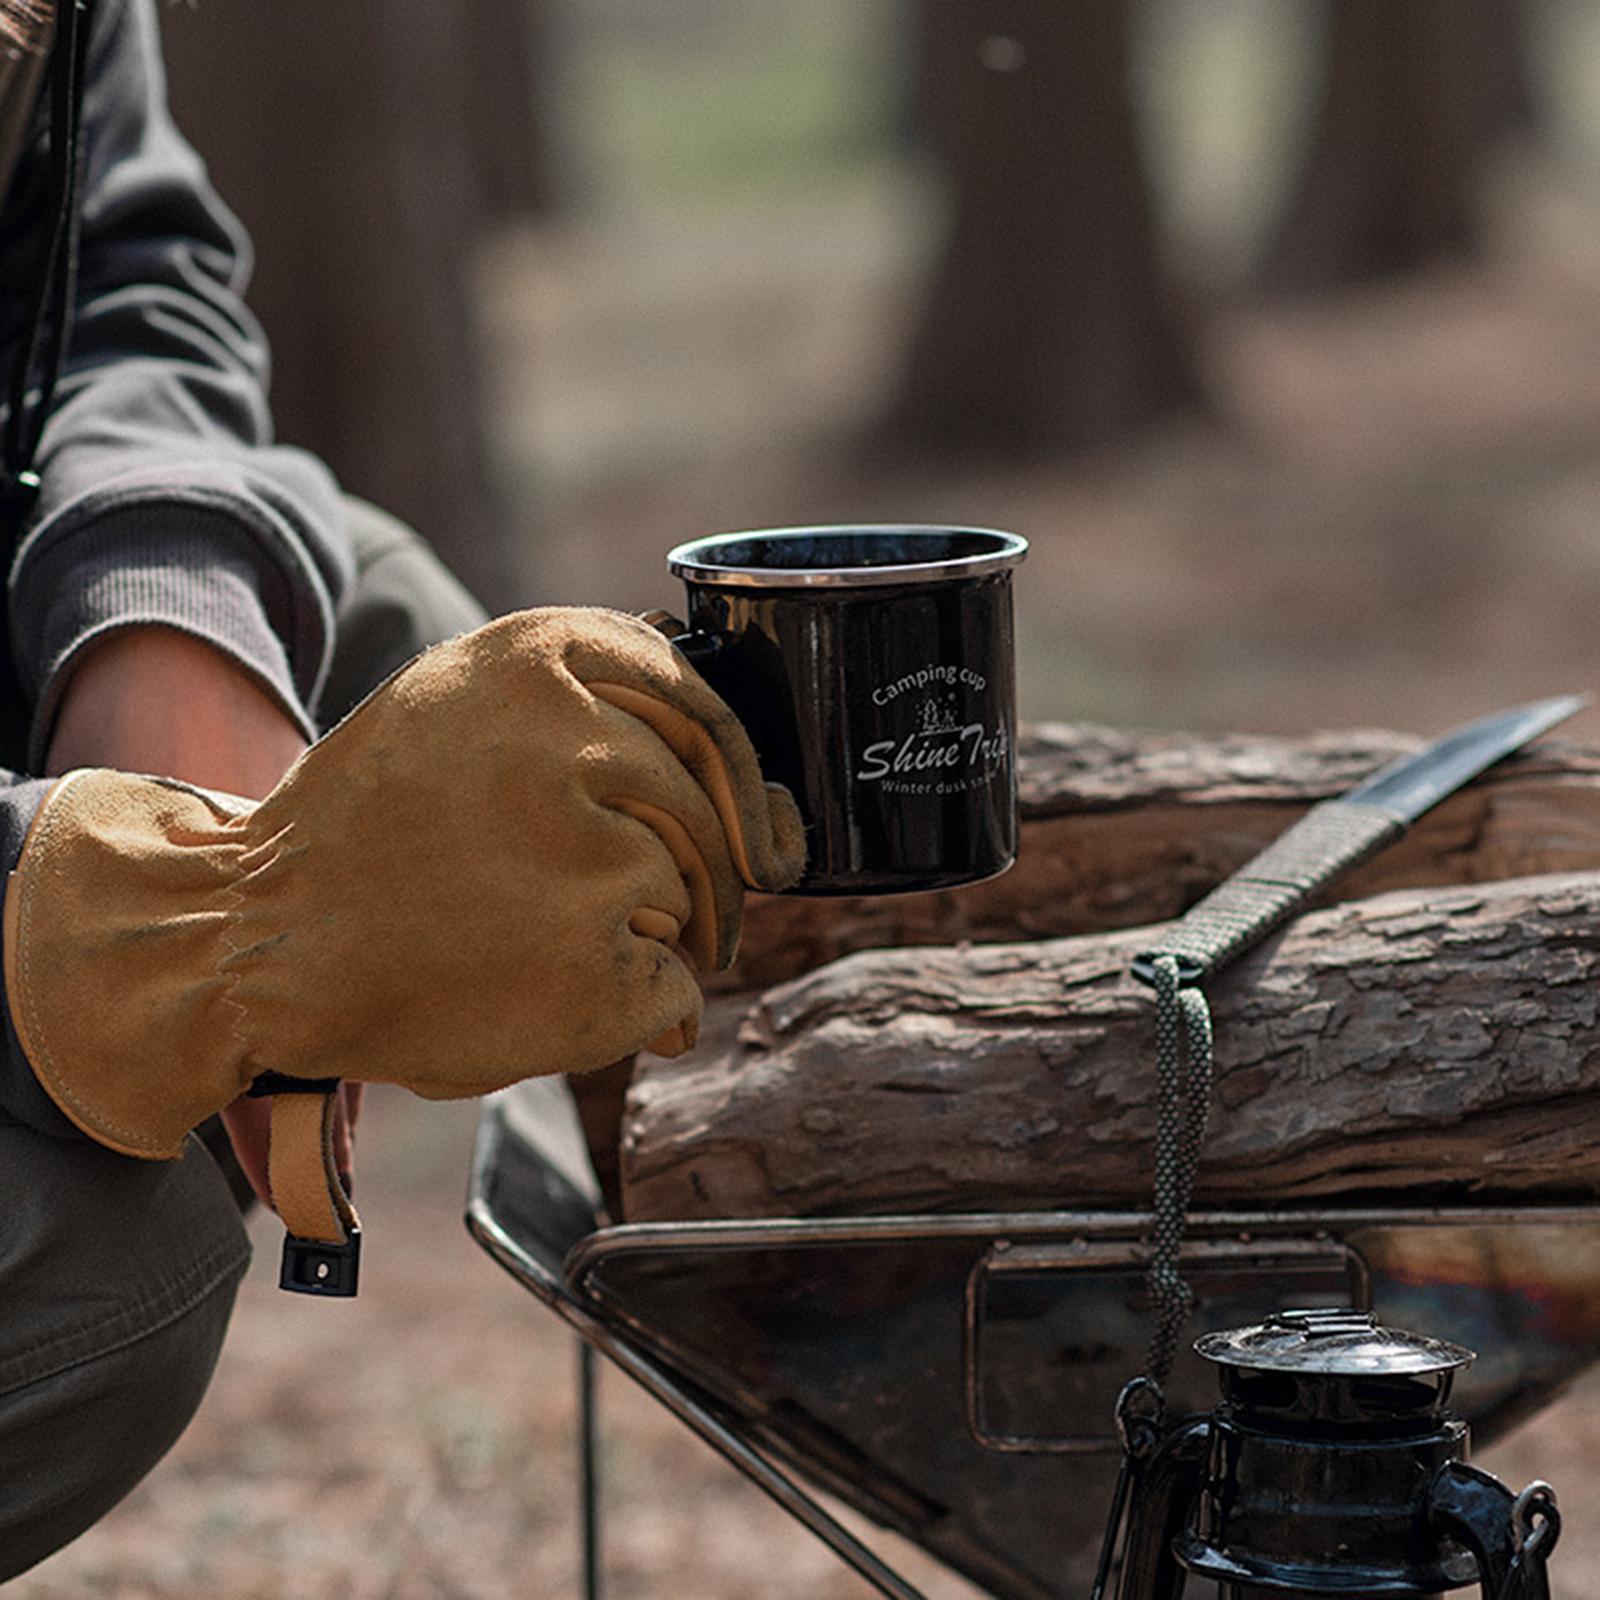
(1419, 96)
(1431, 1044)
(1124, 828)
(1047, 328)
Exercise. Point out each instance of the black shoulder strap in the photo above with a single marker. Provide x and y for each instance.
(37, 363)
(42, 343)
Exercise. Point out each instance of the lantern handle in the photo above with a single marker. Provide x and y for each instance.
(1164, 1497)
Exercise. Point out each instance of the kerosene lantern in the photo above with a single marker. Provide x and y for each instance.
(1331, 1467)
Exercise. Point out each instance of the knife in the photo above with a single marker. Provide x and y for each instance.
(1339, 834)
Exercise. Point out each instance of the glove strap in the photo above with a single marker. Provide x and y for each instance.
(322, 1249)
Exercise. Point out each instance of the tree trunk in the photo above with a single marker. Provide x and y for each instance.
(507, 43)
(365, 152)
(1433, 1044)
(1419, 96)
(1046, 328)
(1121, 828)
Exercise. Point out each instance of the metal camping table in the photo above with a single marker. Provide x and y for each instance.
(952, 1377)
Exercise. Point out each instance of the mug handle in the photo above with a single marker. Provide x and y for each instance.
(697, 647)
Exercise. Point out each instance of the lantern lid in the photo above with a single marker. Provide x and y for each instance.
(1333, 1342)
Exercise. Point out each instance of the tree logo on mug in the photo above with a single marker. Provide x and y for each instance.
(949, 750)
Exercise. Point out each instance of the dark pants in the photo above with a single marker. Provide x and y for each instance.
(117, 1276)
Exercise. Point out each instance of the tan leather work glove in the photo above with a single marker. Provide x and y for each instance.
(508, 861)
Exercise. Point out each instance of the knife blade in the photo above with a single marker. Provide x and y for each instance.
(1339, 834)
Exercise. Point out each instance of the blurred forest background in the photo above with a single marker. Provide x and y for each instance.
(1274, 324)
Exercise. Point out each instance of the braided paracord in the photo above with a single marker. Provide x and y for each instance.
(1183, 1035)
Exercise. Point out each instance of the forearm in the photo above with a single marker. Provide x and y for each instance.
(157, 701)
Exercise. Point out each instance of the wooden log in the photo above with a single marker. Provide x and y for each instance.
(1428, 1044)
(1120, 829)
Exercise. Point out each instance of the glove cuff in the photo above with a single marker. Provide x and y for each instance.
(115, 920)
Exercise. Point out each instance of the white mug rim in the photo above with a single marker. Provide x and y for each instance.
(688, 561)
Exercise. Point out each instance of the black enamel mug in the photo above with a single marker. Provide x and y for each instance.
(874, 669)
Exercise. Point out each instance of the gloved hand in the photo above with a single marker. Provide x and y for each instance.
(509, 860)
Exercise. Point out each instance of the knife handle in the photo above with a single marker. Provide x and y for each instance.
(1329, 839)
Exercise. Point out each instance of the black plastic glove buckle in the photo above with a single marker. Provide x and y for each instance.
(271, 1083)
(316, 1266)
(313, 1266)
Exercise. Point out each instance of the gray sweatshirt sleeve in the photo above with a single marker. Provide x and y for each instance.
(163, 498)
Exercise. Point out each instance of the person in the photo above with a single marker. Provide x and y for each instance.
(510, 857)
